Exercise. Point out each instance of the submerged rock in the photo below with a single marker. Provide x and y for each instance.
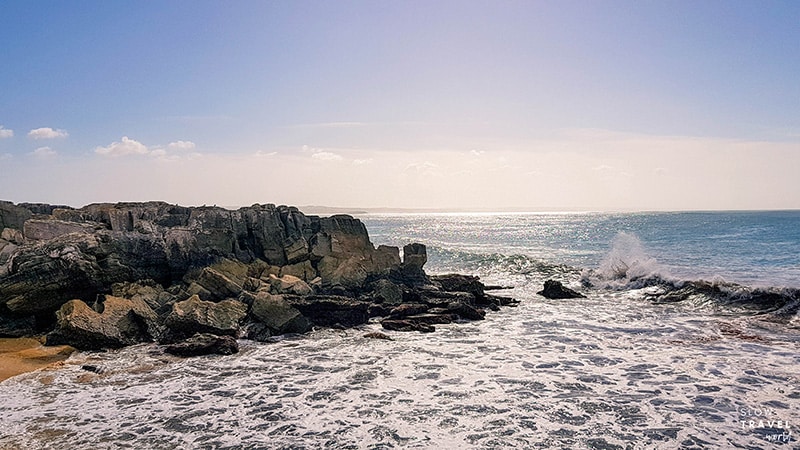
(555, 290)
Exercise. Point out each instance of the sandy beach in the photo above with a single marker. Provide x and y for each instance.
(21, 355)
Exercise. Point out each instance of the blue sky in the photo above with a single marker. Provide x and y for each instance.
(568, 104)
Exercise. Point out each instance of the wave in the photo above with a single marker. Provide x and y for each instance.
(627, 267)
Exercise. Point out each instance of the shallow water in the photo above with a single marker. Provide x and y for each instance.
(609, 371)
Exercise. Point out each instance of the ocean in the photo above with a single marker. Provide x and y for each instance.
(619, 369)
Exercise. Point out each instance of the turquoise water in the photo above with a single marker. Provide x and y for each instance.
(752, 248)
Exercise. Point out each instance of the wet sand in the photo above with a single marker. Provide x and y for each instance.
(21, 355)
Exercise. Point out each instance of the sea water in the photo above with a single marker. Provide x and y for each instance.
(613, 370)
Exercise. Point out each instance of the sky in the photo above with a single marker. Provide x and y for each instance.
(485, 105)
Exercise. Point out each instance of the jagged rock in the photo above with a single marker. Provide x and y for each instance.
(414, 257)
(406, 325)
(466, 311)
(408, 309)
(432, 319)
(460, 283)
(197, 316)
(555, 290)
(163, 242)
(38, 229)
(386, 293)
(296, 251)
(204, 344)
(147, 291)
(303, 270)
(13, 216)
(278, 315)
(330, 310)
(116, 322)
(288, 284)
(216, 285)
(13, 236)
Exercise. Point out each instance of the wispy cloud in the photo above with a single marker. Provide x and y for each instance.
(330, 125)
(181, 145)
(125, 147)
(361, 162)
(326, 156)
(5, 132)
(47, 133)
(44, 153)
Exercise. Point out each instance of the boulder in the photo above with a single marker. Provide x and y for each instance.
(289, 284)
(147, 291)
(414, 257)
(278, 315)
(331, 310)
(303, 270)
(215, 285)
(408, 309)
(13, 216)
(385, 292)
(466, 311)
(555, 290)
(204, 344)
(406, 325)
(115, 322)
(197, 316)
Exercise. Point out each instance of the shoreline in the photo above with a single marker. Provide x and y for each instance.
(23, 355)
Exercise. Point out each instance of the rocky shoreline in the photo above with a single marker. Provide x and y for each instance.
(196, 278)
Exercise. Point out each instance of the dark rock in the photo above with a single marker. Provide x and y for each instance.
(148, 291)
(432, 319)
(460, 283)
(555, 290)
(378, 311)
(278, 315)
(197, 316)
(406, 325)
(386, 293)
(466, 311)
(204, 344)
(408, 309)
(378, 335)
(93, 369)
(330, 310)
(414, 257)
(116, 322)
(13, 216)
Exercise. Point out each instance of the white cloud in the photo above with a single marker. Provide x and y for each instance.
(44, 153)
(181, 145)
(477, 152)
(326, 156)
(262, 153)
(361, 162)
(5, 132)
(6, 157)
(47, 133)
(126, 147)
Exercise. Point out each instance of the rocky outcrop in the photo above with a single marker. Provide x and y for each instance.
(114, 322)
(555, 290)
(167, 273)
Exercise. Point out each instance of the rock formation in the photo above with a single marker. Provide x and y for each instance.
(160, 272)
